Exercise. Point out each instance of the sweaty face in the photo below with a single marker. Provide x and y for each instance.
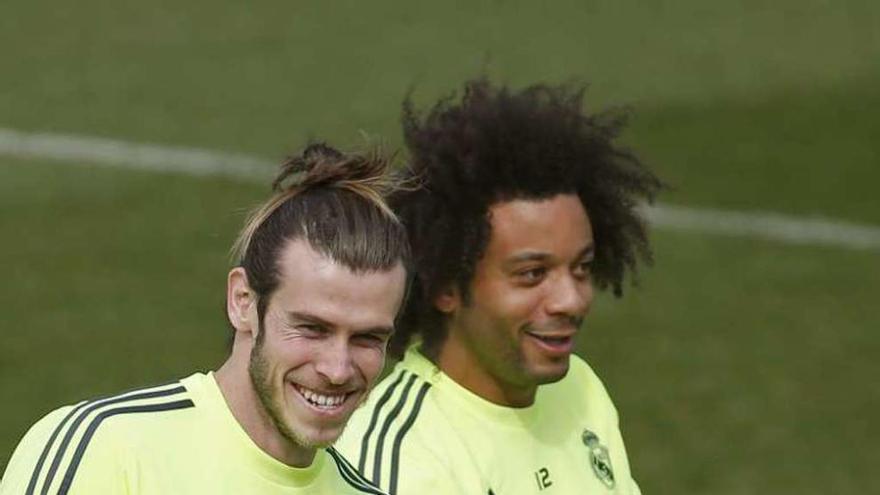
(322, 343)
(529, 295)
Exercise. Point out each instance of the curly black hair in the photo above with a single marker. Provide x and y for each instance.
(497, 145)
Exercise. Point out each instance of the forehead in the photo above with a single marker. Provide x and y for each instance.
(313, 283)
(553, 225)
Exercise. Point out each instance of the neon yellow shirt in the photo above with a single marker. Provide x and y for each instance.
(179, 438)
(421, 432)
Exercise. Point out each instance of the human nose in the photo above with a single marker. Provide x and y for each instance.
(570, 296)
(335, 364)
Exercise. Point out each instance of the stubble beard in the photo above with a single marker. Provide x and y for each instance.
(258, 369)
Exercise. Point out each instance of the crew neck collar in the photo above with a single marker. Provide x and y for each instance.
(503, 415)
(249, 452)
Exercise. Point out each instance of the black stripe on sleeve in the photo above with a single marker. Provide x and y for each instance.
(32, 484)
(398, 440)
(380, 441)
(50, 476)
(96, 422)
(375, 418)
(351, 476)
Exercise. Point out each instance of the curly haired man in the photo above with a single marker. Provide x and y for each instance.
(524, 206)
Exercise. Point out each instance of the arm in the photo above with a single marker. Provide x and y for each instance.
(31, 458)
(53, 453)
(626, 483)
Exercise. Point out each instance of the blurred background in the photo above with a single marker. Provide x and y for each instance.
(743, 362)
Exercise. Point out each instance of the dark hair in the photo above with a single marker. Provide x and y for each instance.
(497, 145)
(333, 200)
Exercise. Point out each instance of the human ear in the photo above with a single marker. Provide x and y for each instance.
(241, 301)
(448, 300)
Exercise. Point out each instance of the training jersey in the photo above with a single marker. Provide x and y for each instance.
(421, 432)
(179, 438)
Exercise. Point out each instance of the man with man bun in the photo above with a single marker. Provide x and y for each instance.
(526, 204)
(319, 278)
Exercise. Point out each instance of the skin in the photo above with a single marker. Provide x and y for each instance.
(529, 295)
(325, 330)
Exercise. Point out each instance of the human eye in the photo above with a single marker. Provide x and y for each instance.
(583, 269)
(311, 329)
(372, 339)
(531, 275)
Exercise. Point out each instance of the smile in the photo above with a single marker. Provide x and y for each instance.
(321, 400)
(554, 344)
(552, 340)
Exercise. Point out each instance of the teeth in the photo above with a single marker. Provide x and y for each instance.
(321, 400)
(555, 340)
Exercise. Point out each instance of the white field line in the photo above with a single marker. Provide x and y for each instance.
(767, 225)
(201, 162)
(92, 150)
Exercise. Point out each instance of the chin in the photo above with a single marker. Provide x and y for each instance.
(317, 438)
(321, 442)
(550, 374)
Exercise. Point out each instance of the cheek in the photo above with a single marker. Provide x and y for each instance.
(514, 306)
(289, 357)
(369, 362)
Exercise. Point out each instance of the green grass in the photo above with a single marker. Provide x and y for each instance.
(110, 267)
(808, 151)
(260, 75)
(742, 364)
(738, 366)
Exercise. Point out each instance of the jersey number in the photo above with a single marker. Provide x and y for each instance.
(542, 477)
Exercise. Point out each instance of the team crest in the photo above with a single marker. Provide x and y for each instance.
(599, 459)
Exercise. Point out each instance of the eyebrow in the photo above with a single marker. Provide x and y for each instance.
(293, 316)
(587, 252)
(307, 317)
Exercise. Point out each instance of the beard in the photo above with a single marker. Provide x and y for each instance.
(273, 404)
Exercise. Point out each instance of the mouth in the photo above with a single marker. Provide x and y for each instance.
(325, 403)
(554, 344)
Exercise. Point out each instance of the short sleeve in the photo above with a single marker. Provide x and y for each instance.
(31, 456)
(71, 465)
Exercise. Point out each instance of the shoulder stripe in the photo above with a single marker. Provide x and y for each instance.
(32, 484)
(93, 426)
(398, 440)
(375, 418)
(85, 409)
(351, 476)
(380, 440)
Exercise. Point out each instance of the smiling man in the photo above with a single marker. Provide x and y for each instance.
(312, 301)
(526, 205)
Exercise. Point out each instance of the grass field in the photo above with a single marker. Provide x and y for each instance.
(739, 366)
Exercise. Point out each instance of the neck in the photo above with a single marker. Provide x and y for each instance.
(456, 359)
(235, 384)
